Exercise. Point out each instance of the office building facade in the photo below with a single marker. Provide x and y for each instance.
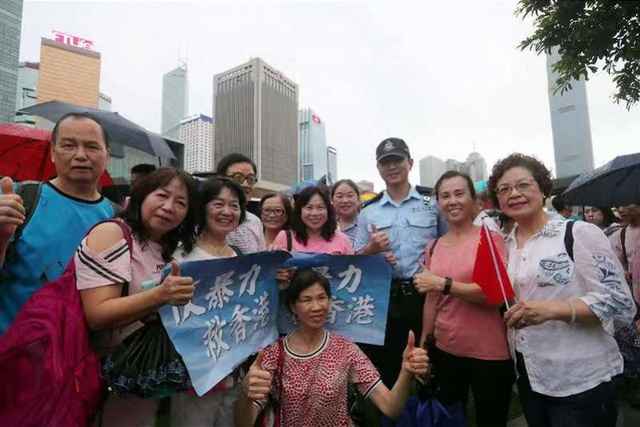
(69, 74)
(175, 100)
(27, 92)
(332, 165)
(313, 146)
(256, 111)
(196, 133)
(10, 28)
(431, 168)
(476, 167)
(572, 147)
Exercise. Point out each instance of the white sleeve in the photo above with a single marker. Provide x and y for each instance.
(600, 274)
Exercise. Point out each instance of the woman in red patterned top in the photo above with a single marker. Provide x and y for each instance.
(308, 371)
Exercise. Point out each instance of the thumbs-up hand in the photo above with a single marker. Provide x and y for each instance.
(257, 383)
(176, 289)
(414, 359)
(378, 241)
(12, 213)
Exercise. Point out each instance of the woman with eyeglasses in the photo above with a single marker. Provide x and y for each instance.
(570, 289)
(345, 197)
(314, 226)
(223, 209)
(275, 213)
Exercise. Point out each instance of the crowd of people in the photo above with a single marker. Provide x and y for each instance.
(569, 341)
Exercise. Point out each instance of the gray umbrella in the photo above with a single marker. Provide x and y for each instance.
(615, 184)
(120, 130)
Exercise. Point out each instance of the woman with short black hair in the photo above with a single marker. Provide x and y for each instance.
(309, 370)
(467, 359)
(223, 208)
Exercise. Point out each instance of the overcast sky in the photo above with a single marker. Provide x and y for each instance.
(443, 75)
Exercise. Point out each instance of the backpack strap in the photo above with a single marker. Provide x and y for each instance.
(289, 239)
(623, 244)
(30, 192)
(568, 239)
(237, 250)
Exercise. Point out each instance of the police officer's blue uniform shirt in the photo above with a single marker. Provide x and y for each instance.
(409, 224)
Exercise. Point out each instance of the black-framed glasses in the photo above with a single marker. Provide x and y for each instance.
(241, 178)
(277, 212)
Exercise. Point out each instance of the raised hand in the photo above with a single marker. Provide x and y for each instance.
(257, 383)
(414, 359)
(176, 289)
(12, 213)
(378, 241)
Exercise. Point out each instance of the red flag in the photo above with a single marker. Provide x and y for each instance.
(490, 272)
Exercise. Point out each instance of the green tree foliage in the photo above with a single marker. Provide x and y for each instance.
(591, 35)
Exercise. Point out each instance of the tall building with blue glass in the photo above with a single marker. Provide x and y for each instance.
(10, 26)
(313, 146)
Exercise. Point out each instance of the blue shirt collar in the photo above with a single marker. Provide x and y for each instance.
(413, 194)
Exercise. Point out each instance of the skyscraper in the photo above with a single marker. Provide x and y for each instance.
(332, 165)
(196, 133)
(313, 146)
(256, 111)
(431, 168)
(570, 124)
(476, 167)
(10, 26)
(27, 93)
(69, 74)
(175, 99)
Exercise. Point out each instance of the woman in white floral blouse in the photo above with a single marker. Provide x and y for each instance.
(570, 289)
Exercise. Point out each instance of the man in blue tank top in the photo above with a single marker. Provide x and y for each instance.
(65, 209)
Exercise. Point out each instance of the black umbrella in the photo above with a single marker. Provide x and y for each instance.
(120, 130)
(615, 184)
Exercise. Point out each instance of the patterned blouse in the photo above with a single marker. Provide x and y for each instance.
(315, 384)
(563, 359)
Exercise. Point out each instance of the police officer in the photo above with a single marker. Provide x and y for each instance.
(398, 222)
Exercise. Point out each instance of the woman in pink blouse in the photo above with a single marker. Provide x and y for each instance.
(118, 284)
(308, 371)
(313, 226)
(471, 350)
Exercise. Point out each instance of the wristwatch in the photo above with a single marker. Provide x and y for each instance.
(448, 281)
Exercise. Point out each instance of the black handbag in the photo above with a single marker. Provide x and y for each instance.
(146, 364)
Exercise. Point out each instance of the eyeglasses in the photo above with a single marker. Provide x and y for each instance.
(522, 187)
(241, 178)
(273, 212)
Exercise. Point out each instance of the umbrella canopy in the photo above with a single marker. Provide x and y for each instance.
(24, 154)
(120, 129)
(615, 184)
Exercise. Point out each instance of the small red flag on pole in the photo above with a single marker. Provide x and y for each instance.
(490, 272)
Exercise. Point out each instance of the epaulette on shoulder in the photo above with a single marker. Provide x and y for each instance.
(425, 191)
(374, 200)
